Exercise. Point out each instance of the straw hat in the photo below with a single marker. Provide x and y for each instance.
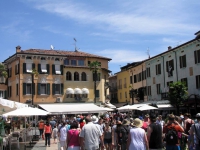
(137, 123)
(126, 122)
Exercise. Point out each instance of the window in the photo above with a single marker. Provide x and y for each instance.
(1, 94)
(73, 62)
(68, 76)
(57, 59)
(158, 88)
(140, 77)
(57, 69)
(43, 58)
(182, 61)
(170, 67)
(124, 82)
(29, 68)
(17, 69)
(148, 90)
(135, 79)
(66, 62)
(88, 62)
(43, 88)
(9, 91)
(145, 91)
(69, 95)
(184, 80)
(76, 76)
(197, 56)
(85, 95)
(81, 62)
(28, 57)
(144, 75)
(97, 93)
(125, 94)
(43, 68)
(131, 79)
(120, 95)
(168, 83)
(99, 64)
(120, 83)
(17, 89)
(83, 76)
(158, 69)
(2, 79)
(198, 82)
(10, 72)
(57, 89)
(27, 89)
(148, 72)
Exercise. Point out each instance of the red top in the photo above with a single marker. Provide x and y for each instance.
(73, 137)
(82, 124)
(47, 129)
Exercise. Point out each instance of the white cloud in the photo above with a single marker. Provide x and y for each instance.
(122, 55)
(159, 17)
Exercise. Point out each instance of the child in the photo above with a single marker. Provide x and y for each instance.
(55, 134)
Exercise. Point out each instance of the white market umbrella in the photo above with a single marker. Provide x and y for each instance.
(27, 111)
(125, 108)
(107, 109)
(146, 107)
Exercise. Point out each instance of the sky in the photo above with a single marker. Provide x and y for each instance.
(124, 30)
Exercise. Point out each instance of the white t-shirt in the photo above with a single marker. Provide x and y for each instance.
(63, 134)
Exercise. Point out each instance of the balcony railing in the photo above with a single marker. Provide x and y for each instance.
(164, 96)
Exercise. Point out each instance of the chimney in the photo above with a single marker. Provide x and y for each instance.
(18, 49)
(169, 48)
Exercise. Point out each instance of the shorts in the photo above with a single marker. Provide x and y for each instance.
(55, 137)
(107, 141)
(63, 144)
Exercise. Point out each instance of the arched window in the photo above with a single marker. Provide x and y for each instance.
(76, 76)
(83, 76)
(68, 76)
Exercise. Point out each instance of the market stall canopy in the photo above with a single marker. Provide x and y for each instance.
(85, 91)
(146, 107)
(107, 109)
(69, 91)
(77, 91)
(125, 108)
(27, 111)
(72, 108)
(165, 106)
(110, 105)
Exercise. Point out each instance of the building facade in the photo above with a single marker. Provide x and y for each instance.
(50, 83)
(113, 88)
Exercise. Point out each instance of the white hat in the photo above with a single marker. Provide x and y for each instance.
(94, 119)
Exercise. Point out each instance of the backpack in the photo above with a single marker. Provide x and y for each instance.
(125, 134)
(171, 136)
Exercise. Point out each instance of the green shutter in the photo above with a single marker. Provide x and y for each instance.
(11, 72)
(38, 88)
(39, 68)
(18, 69)
(61, 89)
(24, 68)
(97, 93)
(33, 66)
(33, 88)
(61, 69)
(53, 89)
(24, 88)
(47, 68)
(53, 69)
(5, 95)
(48, 88)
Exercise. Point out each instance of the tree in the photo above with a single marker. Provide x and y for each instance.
(34, 73)
(3, 71)
(95, 67)
(177, 94)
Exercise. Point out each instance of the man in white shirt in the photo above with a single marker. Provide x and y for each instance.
(90, 135)
(160, 121)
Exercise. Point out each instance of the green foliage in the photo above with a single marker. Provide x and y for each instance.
(35, 72)
(3, 71)
(94, 66)
(177, 93)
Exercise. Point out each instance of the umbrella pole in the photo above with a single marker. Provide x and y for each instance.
(25, 133)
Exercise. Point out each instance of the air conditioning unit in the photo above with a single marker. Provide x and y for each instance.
(58, 100)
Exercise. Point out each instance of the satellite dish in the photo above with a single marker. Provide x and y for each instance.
(52, 47)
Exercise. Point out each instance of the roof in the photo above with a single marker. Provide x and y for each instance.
(61, 53)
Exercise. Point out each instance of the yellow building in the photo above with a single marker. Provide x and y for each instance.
(51, 83)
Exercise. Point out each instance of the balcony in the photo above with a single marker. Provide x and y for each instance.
(164, 96)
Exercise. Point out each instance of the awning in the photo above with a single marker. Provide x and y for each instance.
(69, 91)
(120, 104)
(72, 108)
(57, 69)
(146, 107)
(85, 91)
(156, 102)
(77, 91)
(110, 105)
(165, 106)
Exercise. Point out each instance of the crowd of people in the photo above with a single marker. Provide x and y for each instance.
(121, 132)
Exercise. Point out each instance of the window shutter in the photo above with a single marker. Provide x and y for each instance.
(61, 88)
(198, 56)
(180, 62)
(53, 89)
(160, 68)
(5, 94)
(53, 69)
(149, 72)
(38, 88)
(184, 61)
(10, 91)
(33, 66)
(24, 88)
(33, 88)
(97, 93)
(48, 88)
(167, 66)
(61, 69)
(47, 68)
(11, 72)
(15, 69)
(156, 69)
(18, 69)
(39, 68)
(24, 68)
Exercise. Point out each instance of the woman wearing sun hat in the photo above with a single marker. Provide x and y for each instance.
(137, 139)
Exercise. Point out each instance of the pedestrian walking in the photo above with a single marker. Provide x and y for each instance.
(55, 134)
(41, 127)
(47, 133)
(62, 134)
(107, 134)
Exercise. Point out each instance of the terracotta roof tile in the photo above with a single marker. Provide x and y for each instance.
(61, 52)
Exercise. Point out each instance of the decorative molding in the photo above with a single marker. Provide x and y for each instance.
(30, 61)
(43, 79)
(27, 79)
(57, 80)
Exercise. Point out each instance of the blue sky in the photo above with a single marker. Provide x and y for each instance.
(119, 29)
